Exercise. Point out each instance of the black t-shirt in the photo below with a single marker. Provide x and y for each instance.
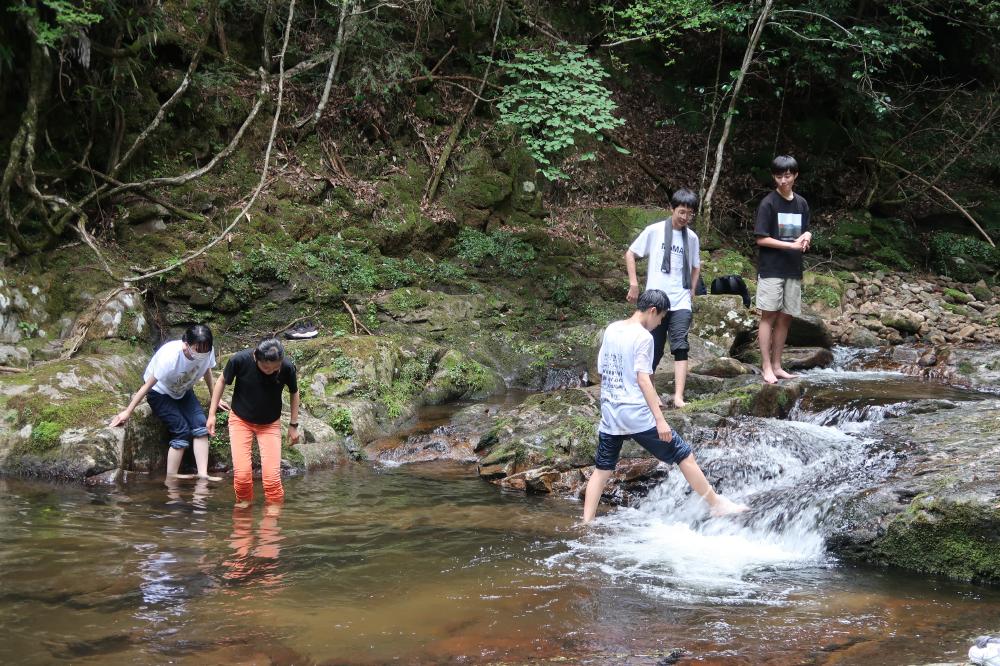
(257, 397)
(784, 220)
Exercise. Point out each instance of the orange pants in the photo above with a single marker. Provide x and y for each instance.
(241, 434)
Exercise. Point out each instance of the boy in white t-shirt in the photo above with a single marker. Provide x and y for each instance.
(168, 388)
(630, 408)
(674, 265)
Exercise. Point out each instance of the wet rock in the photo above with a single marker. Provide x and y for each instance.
(938, 511)
(459, 377)
(562, 378)
(862, 337)
(806, 358)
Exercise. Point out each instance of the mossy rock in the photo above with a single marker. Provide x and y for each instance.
(944, 538)
(622, 224)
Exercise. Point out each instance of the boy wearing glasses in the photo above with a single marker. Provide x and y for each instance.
(674, 264)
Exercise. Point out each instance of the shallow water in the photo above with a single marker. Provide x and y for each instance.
(427, 564)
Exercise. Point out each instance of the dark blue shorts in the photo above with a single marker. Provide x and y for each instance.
(184, 418)
(609, 447)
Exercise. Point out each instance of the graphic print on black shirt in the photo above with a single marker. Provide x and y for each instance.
(785, 221)
(257, 397)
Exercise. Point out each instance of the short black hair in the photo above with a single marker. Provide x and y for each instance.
(198, 337)
(784, 164)
(653, 298)
(269, 350)
(684, 197)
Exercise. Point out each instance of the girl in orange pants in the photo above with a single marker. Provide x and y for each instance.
(260, 375)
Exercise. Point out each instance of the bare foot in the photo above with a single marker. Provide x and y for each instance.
(769, 378)
(781, 374)
(181, 476)
(209, 478)
(678, 402)
(242, 505)
(727, 507)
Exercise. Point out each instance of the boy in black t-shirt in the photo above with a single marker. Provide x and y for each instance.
(782, 230)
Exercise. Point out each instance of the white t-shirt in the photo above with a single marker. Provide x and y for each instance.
(650, 243)
(175, 373)
(627, 348)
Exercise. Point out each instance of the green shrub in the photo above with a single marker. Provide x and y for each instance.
(509, 254)
(892, 257)
(340, 421)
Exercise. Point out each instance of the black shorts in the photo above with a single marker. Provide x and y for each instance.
(609, 448)
(674, 326)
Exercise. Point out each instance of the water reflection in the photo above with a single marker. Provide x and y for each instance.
(254, 553)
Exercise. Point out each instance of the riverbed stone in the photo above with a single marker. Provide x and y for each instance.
(939, 510)
(722, 321)
(806, 358)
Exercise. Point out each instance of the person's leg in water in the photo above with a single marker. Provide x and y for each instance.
(169, 411)
(678, 452)
(269, 443)
(195, 417)
(608, 449)
(718, 505)
(240, 444)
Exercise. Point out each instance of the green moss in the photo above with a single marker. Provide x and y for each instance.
(623, 224)
(892, 257)
(954, 540)
(340, 420)
(404, 300)
(965, 367)
(956, 296)
(45, 435)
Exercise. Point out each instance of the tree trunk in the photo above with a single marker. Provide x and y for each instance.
(720, 149)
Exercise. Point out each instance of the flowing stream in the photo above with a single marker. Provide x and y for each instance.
(427, 564)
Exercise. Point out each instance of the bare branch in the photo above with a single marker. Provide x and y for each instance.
(263, 173)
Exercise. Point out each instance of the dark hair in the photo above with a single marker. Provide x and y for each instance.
(684, 197)
(784, 164)
(653, 298)
(198, 337)
(269, 350)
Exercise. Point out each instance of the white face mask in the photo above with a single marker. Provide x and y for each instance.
(197, 355)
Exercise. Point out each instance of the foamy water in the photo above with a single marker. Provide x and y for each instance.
(790, 474)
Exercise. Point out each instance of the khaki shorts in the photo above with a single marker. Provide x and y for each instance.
(784, 294)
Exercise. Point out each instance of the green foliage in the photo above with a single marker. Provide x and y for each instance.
(469, 375)
(45, 435)
(63, 18)
(962, 257)
(892, 257)
(218, 444)
(554, 98)
(340, 421)
(509, 254)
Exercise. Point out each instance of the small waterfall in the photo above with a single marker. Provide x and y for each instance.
(791, 474)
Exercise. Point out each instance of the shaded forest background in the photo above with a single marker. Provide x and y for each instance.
(392, 120)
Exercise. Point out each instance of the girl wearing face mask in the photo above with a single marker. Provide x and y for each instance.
(260, 374)
(168, 388)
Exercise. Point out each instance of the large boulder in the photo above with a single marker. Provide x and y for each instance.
(57, 415)
(722, 321)
(809, 330)
(938, 512)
